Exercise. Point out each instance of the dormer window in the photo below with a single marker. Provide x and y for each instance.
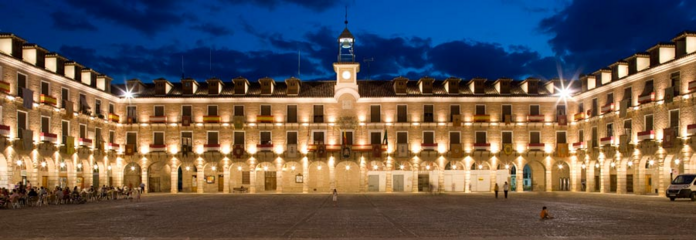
(214, 86)
(452, 85)
(400, 85)
(426, 85)
(530, 86)
(189, 86)
(241, 85)
(267, 85)
(293, 85)
(505, 87)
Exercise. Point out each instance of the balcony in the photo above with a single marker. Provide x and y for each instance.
(5, 87)
(84, 142)
(535, 118)
(211, 119)
(158, 148)
(114, 118)
(690, 129)
(49, 137)
(131, 119)
(429, 147)
(4, 130)
(692, 86)
(536, 147)
(579, 116)
(264, 118)
(48, 100)
(264, 147)
(607, 108)
(646, 135)
(319, 119)
(361, 147)
(482, 147)
(158, 119)
(579, 145)
(482, 118)
(646, 98)
(112, 146)
(606, 141)
(211, 148)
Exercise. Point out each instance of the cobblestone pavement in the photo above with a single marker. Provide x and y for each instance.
(365, 216)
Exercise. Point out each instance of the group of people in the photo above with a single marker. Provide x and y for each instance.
(24, 195)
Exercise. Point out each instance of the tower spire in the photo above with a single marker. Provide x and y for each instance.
(346, 21)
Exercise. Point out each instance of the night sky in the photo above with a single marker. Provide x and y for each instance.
(256, 38)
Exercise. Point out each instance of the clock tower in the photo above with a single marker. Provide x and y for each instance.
(346, 67)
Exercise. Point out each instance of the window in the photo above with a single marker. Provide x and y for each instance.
(534, 110)
(401, 137)
(481, 137)
(292, 138)
(376, 137)
(560, 110)
(265, 137)
(610, 98)
(595, 105)
(676, 82)
(581, 108)
(239, 111)
(83, 131)
(628, 96)
(401, 113)
(239, 138)
(428, 114)
(212, 137)
(628, 128)
(534, 137)
(455, 138)
(186, 111)
(561, 137)
(97, 107)
(428, 137)
(318, 137)
(265, 110)
(674, 118)
(111, 108)
(648, 123)
(158, 138)
(648, 87)
(21, 84)
(131, 138)
(581, 136)
(131, 112)
(45, 88)
(595, 137)
(375, 114)
(97, 136)
(212, 110)
(507, 137)
(64, 131)
(246, 177)
(64, 96)
(454, 111)
(318, 113)
(84, 106)
(347, 138)
(45, 124)
(610, 130)
(480, 109)
(187, 140)
(292, 114)
(22, 122)
(507, 112)
(159, 111)
(112, 136)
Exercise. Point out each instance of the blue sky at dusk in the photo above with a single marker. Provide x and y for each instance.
(256, 38)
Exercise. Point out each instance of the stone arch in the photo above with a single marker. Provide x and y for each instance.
(239, 175)
(4, 172)
(347, 176)
(647, 174)
(665, 173)
(534, 176)
(319, 181)
(291, 170)
(376, 166)
(47, 173)
(159, 177)
(132, 174)
(266, 177)
(560, 176)
(403, 166)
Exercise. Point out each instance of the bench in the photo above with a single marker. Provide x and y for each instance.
(240, 190)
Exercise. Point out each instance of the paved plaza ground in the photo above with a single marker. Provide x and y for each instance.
(366, 216)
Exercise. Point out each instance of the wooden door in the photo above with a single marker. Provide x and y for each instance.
(629, 183)
(423, 182)
(221, 183)
(44, 181)
(194, 183)
(612, 183)
(373, 183)
(648, 183)
(398, 183)
(270, 181)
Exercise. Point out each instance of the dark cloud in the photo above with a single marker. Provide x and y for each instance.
(71, 22)
(213, 29)
(589, 35)
(148, 17)
(315, 5)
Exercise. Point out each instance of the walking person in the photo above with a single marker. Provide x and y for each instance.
(335, 198)
(506, 188)
(142, 187)
(496, 190)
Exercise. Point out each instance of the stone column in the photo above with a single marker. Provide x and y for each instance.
(519, 178)
(414, 179)
(200, 174)
(226, 176)
(467, 179)
(332, 174)
(34, 176)
(494, 179)
(441, 178)
(174, 180)
(389, 184)
(589, 179)
(575, 171)
(363, 175)
(279, 176)
(305, 175)
(620, 177)
(604, 177)
(252, 177)
(144, 178)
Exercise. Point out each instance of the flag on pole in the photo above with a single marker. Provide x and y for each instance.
(384, 140)
(345, 139)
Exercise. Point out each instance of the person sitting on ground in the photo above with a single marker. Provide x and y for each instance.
(545, 214)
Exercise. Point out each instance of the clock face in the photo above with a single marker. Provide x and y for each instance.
(345, 74)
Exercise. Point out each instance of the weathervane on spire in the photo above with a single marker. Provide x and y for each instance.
(346, 22)
(345, 44)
